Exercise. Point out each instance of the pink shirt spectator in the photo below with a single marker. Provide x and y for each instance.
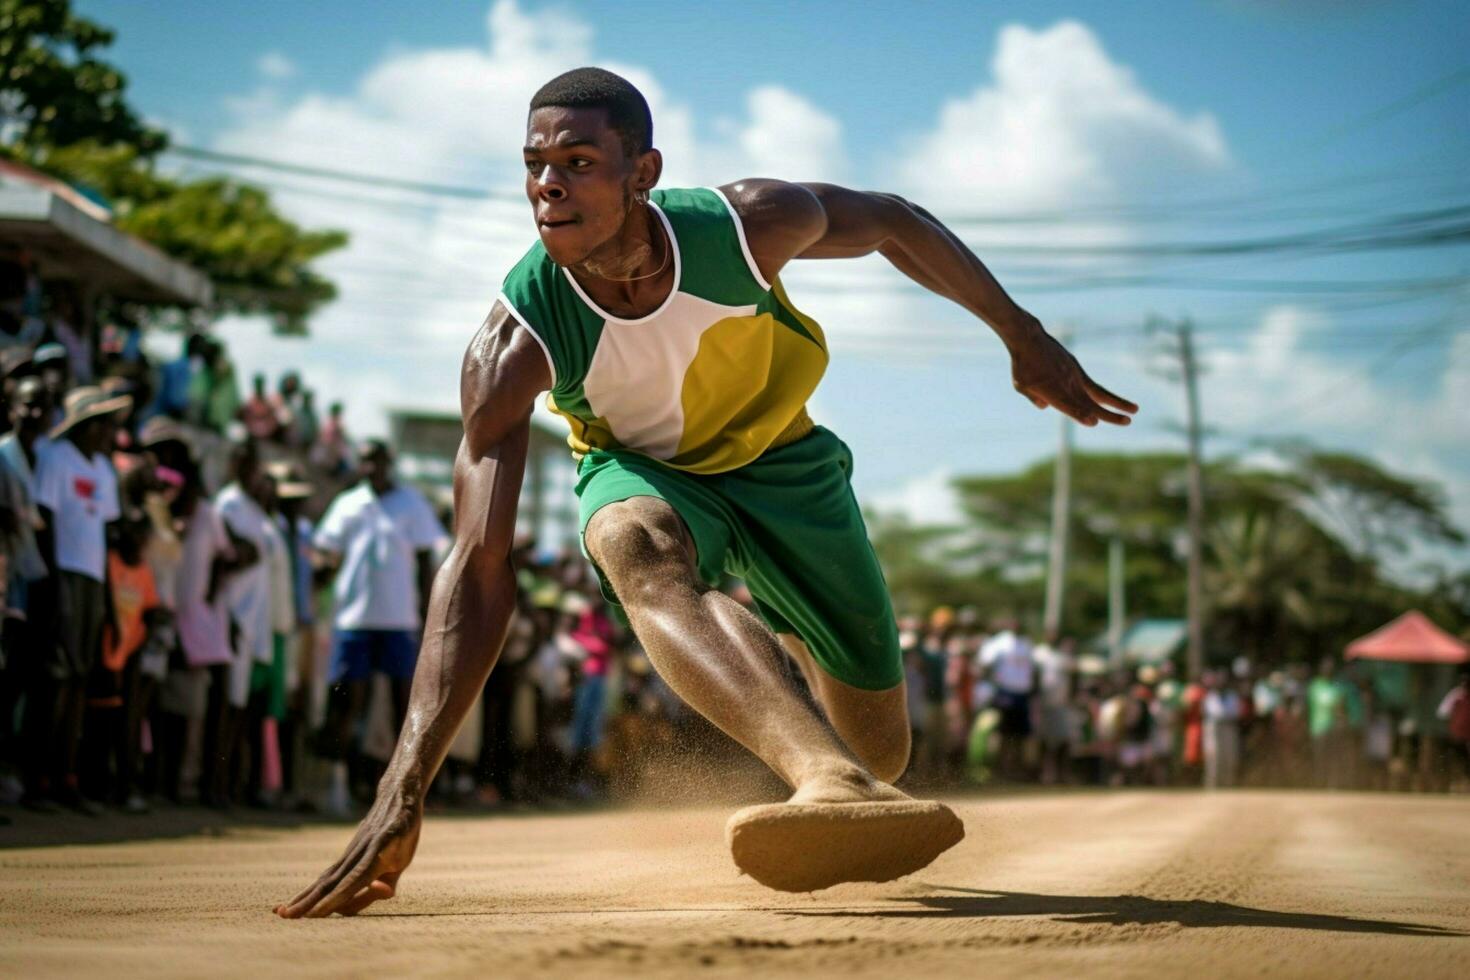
(204, 626)
(594, 633)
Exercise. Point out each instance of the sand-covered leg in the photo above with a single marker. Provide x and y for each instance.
(799, 847)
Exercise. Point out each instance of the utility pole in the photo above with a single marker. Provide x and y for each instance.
(1181, 348)
(1116, 612)
(1061, 513)
(1195, 605)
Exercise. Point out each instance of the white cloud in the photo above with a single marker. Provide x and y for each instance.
(275, 65)
(784, 135)
(1061, 123)
(1059, 127)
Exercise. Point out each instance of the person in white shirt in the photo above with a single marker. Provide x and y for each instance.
(252, 595)
(1007, 656)
(379, 535)
(76, 493)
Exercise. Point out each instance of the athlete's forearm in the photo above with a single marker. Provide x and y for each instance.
(922, 248)
(469, 614)
(470, 607)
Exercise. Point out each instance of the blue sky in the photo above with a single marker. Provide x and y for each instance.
(1126, 123)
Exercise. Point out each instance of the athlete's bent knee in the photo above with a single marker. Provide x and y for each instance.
(641, 549)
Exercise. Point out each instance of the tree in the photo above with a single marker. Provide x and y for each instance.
(53, 90)
(66, 114)
(1285, 579)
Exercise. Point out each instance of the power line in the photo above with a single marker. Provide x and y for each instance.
(1420, 94)
(331, 173)
(1133, 211)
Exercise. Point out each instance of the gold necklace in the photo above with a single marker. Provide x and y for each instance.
(668, 249)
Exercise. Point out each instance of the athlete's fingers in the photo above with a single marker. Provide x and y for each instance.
(352, 882)
(377, 891)
(1103, 396)
(349, 852)
(303, 903)
(300, 896)
(1106, 416)
(299, 905)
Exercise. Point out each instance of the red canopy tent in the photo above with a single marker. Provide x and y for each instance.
(1412, 638)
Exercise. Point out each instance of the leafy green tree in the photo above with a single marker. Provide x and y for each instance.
(54, 91)
(65, 113)
(1287, 575)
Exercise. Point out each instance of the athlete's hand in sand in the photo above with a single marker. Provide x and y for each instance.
(1047, 373)
(369, 869)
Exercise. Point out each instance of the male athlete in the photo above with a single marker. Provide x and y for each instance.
(659, 324)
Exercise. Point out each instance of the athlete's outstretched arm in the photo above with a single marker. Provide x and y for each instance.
(470, 607)
(785, 221)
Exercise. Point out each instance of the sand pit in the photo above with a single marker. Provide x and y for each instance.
(1133, 884)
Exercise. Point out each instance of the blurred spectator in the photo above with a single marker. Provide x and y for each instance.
(257, 676)
(304, 426)
(259, 413)
(76, 492)
(296, 420)
(379, 537)
(117, 760)
(23, 567)
(1454, 711)
(1221, 712)
(196, 696)
(1008, 657)
(1055, 714)
(214, 396)
(331, 452)
(594, 638)
(292, 495)
(51, 365)
(176, 378)
(929, 753)
(1329, 728)
(1136, 745)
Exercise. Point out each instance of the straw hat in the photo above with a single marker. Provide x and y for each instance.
(289, 484)
(88, 402)
(161, 429)
(47, 353)
(16, 360)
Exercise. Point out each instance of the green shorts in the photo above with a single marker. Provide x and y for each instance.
(789, 526)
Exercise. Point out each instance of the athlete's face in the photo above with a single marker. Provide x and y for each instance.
(580, 180)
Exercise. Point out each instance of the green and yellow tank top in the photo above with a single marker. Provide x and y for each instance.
(709, 381)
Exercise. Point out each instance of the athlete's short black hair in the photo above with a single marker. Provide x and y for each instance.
(597, 88)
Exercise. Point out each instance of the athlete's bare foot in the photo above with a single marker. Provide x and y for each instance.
(840, 826)
(846, 786)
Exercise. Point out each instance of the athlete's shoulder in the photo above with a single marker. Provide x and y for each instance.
(780, 218)
(764, 201)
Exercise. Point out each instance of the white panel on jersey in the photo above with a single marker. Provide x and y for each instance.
(636, 379)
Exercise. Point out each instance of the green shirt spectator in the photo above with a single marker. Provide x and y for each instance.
(1326, 708)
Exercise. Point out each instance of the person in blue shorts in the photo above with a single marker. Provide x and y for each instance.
(379, 536)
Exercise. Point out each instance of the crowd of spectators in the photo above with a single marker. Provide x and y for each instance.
(216, 600)
(991, 705)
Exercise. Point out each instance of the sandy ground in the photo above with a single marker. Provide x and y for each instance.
(1131, 884)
